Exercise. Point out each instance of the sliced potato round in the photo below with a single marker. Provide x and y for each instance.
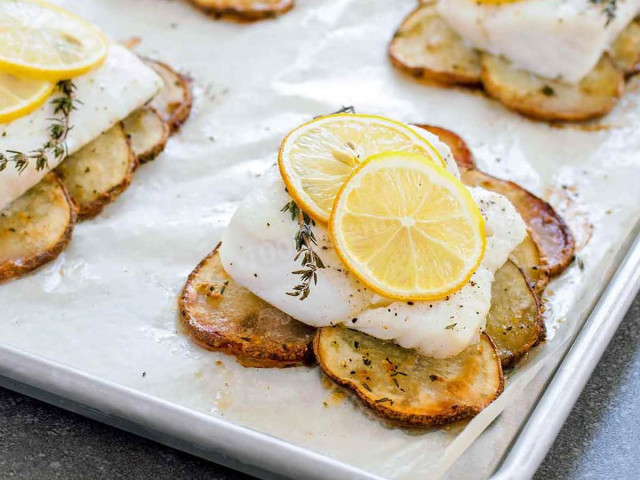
(527, 258)
(100, 171)
(426, 47)
(35, 228)
(406, 388)
(173, 101)
(515, 321)
(147, 132)
(548, 230)
(248, 10)
(546, 99)
(625, 50)
(221, 315)
(459, 149)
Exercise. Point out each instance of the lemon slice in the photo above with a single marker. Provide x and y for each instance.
(316, 158)
(407, 228)
(41, 40)
(20, 96)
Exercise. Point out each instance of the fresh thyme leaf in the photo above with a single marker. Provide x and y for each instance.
(55, 148)
(609, 8)
(451, 326)
(347, 109)
(305, 242)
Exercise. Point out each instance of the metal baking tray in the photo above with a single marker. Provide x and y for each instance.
(255, 114)
(267, 457)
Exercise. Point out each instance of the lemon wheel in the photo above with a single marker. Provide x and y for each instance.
(316, 158)
(40, 40)
(407, 228)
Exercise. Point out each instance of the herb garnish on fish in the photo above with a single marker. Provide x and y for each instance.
(305, 242)
(55, 148)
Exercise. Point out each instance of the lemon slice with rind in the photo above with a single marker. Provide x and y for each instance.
(40, 40)
(407, 228)
(20, 96)
(316, 158)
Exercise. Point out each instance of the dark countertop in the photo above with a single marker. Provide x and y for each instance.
(600, 440)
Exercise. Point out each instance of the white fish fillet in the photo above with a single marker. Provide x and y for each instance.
(108, 94)
(258, 250)
(551, 38)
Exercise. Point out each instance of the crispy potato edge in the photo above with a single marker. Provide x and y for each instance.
(511, 360)
(181, 112)
(213, 341)
(93, 208)
(459, 148)
(158, 147)
(12, 270)
(538, 110)
(244, 15)
(410, 420)
(446, 78)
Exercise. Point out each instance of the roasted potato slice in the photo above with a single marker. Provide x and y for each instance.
(551, 100)
(459, 149)
(173, 102)
(548, 230)
(100, 171)
(426, 47)
(147, 132)
(405, 388)
(527, 258)
(247, 10)
(221, 315)
(625, 50)
(515, 321)
(35, 228)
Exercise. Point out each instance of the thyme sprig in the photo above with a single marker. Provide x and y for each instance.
(55, 148)
(305, 243)
(347, 109)
(609, 8)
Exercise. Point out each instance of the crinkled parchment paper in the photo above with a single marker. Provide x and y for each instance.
(107, 306)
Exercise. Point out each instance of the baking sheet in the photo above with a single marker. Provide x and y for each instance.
(107, 306)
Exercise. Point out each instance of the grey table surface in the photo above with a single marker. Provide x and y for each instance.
(601, 439)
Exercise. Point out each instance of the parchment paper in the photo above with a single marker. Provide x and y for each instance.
(108, 304)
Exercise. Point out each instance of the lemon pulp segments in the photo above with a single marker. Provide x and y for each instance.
(316, 158)
(20, 96)
(407, 228)
(41, 40)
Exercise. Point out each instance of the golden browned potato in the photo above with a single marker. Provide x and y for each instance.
(426, 47)
(547, 229)
(551, 100)
(173, 102)
(35, 228)
(147, 132)
(100, 171)
(625, 50)
(405, 388)
(459, 149)
(527, 258)
(221, 315)
(515, 321)
(247, 10)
